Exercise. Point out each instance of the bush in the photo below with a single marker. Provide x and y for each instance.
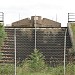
(35, 63)
(2, 34)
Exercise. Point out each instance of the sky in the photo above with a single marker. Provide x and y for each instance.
(56, 10)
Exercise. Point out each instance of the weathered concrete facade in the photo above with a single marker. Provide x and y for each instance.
(27, 22)
(49, 40)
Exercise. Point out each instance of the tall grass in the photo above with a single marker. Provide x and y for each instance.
(59, 70)
(7, 69)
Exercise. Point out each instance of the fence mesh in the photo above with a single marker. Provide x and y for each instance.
(49, 41)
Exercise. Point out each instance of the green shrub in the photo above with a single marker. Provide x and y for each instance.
(36, 62)
(2, 37)
(2, 34)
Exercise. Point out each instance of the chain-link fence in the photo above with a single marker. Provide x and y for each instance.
(20, 43)
(7, 54)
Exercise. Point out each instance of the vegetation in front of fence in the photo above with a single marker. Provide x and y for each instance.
(36, 66)
(2, 34)
(73, 28)
(7, 69)
(70, 69)
(35, 62)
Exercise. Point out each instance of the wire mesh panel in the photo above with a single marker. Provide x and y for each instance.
(24, 46)
(20, 44)
(70, 62)
(24, 43)
(7, 66)
(51, 43)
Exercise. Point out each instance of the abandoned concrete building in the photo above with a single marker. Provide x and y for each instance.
(50, 38)
(27, 22)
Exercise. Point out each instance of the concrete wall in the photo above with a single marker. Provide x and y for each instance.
(50, 41)
(71, 34)
(22, 23)
(39, 22)
(50, 23)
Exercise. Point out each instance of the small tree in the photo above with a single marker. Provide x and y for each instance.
(35, 63)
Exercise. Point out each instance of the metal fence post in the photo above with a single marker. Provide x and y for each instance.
(65, 52)
(35, 30)
(15, 47)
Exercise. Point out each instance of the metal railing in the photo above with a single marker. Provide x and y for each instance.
(71, 17)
